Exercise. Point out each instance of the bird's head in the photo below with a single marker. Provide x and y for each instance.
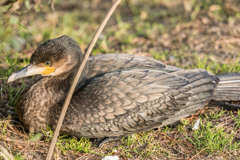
(54, 57)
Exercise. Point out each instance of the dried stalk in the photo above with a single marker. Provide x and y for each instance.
(72, 88)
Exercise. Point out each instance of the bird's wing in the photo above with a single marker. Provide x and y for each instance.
(106, 63)
(121, 103)
(113, 62)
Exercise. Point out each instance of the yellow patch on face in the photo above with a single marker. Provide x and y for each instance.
(48, 70)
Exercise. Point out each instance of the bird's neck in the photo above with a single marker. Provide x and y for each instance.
(33, 107)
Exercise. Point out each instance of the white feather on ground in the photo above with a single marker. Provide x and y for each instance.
(196, 125)
(111, 158)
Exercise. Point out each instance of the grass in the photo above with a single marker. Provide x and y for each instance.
(187, 35)
(212, 139)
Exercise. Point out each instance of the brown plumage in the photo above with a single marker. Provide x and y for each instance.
(117, 94)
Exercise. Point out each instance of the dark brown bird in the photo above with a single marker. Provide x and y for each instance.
(117, 94)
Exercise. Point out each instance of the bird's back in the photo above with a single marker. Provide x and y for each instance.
(122, 97)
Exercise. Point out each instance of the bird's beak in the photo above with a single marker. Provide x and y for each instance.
(30, 70)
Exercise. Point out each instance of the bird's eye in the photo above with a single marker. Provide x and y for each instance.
(47, 63)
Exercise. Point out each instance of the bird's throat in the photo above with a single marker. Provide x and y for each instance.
(35, 103)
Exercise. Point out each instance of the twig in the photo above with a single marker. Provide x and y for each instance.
(179, 141)
(72, 88)
(234, 40)
(198, 153)
(179, 158)
(52, 5)
(5, 153)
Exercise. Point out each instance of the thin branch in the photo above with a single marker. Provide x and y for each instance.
(52, 5)
(70, 93)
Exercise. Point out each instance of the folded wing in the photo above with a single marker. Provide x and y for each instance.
(126, 102)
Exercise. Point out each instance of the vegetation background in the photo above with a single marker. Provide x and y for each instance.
(183, 33)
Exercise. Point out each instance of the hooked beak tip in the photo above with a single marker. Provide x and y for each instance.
(11, 78)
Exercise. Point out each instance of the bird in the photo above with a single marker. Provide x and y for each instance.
(116, 95)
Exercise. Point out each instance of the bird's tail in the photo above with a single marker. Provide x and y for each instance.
(228, 88)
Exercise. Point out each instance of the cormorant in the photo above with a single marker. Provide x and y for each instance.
(117, 94)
